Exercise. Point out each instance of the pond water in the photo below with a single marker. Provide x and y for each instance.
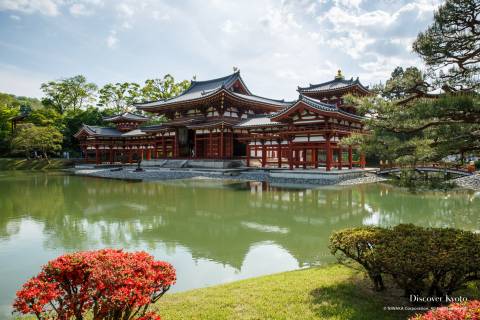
(212, 231)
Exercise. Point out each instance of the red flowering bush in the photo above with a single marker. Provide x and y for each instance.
(455, 311)
(111, 284)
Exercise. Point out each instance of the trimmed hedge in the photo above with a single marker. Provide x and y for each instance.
(421, 261)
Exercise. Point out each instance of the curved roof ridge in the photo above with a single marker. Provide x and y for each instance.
(258, 96)
(335, 84)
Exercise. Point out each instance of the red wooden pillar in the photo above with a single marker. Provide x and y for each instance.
(85, 153)
(290, 154)
(297, 157)
(130, 154)
(328, 149)
(279, 153)
(111, 155)
(304, 151)
(210, 150)
(149, 155)
(164, 147)
(155, 151)
(248, 153)
(230, 150)
(350, 157)
(264, 154)
(175, 147)
(315, 157)
(340, 157)
(97, 155)
(222, 155)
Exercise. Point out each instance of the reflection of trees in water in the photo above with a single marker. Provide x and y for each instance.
(458, 209)
(215, 221)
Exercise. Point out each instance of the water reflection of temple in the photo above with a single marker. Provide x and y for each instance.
(219, 221)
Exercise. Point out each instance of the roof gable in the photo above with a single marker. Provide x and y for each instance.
(201, 89)
(126, 116)
(338, 83)
(312, 106)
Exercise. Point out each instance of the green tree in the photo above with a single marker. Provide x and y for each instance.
(451, 43)
(119, 96)
(408, 124)
(68, 94)
(30, 137)
(160, 89)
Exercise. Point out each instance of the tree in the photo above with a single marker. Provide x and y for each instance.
(30, 137)
(110, 284)
(451, 44)
(410, 124)
(68, 94)
(160, 89)
(119, 96)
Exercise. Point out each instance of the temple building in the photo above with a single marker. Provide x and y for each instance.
(221, 119)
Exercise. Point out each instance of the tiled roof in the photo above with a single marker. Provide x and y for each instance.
(199, 89)
(257, 122)
(280, 103)
(212, 124)
(109, 132)
(126, 116)
(317, 104)
(335, 84)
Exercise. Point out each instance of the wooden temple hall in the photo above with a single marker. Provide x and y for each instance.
(221, 119)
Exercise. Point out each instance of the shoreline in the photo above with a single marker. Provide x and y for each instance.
(275, 178)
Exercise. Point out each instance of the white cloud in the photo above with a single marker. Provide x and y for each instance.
(278, 45)
(230, 27)
(112, 39)
(79, 9)
(46, 7)
(14, 17)
(125, 10)
(158, 15)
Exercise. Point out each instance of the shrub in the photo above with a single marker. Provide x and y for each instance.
(431, 261)
(359, 245)
(111, 284)
(456, 311)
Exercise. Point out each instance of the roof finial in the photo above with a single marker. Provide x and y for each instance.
(339, 75)
(235, 69)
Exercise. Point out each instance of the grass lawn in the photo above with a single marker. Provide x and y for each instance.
(23, 164)
(332, 292)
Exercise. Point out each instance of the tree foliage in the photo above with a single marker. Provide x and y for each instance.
(68, 94)
(119, 96)
(70, 102)
(450, 46)
(408, 120)
(160, 89)
(30, 137)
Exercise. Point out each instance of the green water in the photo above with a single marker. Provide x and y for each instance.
(211, 231)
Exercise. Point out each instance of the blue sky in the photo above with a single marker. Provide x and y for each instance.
(277, 45)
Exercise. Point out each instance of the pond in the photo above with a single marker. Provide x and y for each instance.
(212, 231)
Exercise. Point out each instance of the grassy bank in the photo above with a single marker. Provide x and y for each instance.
(332, 292)
(23, 164)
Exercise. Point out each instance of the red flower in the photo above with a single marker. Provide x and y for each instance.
(106, 282)
(456, 311)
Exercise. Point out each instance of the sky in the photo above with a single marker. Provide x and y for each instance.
(277, 45)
